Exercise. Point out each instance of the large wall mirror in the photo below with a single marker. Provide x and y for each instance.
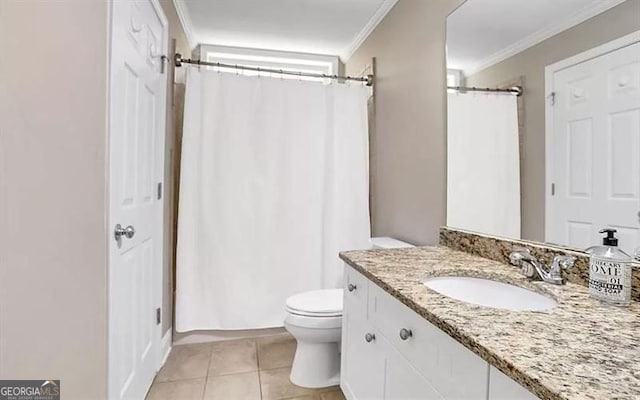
(543, 138)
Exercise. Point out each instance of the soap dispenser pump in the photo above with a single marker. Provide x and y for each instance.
(610, 271)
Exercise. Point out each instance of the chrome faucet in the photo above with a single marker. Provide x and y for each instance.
(534, 269)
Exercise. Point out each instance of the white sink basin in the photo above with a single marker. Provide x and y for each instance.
(488, 293)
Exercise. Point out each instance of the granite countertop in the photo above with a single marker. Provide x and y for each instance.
(582, 349)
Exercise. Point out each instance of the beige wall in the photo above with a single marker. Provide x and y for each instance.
(408, 139)
(529, 65)
(53, 247)
(175, 28)
(53, 169)
(174, 131)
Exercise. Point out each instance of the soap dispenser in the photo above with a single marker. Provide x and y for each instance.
(610, 271)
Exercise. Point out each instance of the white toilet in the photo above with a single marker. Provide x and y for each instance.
(315, 319)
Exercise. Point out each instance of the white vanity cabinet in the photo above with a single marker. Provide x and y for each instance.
(391, 352)
(501, 387)
(403, 381)
(373, 369)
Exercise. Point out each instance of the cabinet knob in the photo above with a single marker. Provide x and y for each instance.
(405, 333)
(352, 287)
(369, 337)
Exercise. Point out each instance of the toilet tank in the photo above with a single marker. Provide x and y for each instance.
(388, 243)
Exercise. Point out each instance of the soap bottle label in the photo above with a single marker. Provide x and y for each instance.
(609, 280)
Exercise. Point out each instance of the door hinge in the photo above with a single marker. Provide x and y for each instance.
(553, 189)
(159, 190)
(158, 316)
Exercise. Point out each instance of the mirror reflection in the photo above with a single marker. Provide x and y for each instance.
(543, 136)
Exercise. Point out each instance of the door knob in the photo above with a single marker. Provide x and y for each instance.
(369, 337)
(351, 287)
(127, 232)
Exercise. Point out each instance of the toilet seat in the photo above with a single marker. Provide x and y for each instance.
(316, 303)
(311, 314)
(303, 321)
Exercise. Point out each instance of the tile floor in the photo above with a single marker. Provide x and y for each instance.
(247, 369)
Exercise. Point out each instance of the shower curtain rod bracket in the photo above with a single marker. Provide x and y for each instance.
(179, 61)
(370, 80)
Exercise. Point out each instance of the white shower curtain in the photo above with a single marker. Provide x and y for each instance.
(274, 183)
(483, 164)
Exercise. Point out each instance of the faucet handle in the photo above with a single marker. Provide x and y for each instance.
(564, 262)
(561, 262)
(518, 254)
(521, 257)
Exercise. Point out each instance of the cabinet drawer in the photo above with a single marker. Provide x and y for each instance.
(355, 290)
(442, 360)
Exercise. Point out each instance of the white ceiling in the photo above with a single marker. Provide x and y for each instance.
(483, 32)
(334, 27)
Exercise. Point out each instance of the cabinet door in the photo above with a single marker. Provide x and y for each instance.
(501, 387)
(436, 356)
(404, 382)
(362, 375)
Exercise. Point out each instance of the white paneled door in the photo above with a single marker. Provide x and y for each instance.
(595, 150)
(137, 123)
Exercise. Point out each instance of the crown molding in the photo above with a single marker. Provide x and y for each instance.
(379, 15)
(185, 21)
(543, 34)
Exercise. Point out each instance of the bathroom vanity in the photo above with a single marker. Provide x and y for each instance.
(402, 340)
(391, 352)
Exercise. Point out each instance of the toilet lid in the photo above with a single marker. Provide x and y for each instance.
(326, 303)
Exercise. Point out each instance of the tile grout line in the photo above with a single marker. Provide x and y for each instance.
(206, 376)
(179, 380)
(255, 342)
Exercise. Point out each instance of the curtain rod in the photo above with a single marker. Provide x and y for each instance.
(517, 90)
(178, 61)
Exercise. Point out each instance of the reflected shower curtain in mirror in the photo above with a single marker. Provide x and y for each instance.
(483, 164)
(273, 184)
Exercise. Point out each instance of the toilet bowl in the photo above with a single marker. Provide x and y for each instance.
(314, 319)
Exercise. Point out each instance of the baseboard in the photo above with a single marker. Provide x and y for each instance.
(165, 345)
(218, 335)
